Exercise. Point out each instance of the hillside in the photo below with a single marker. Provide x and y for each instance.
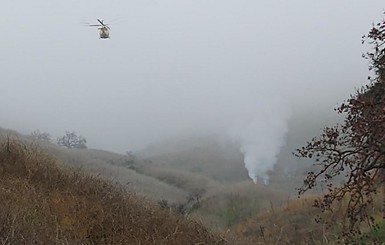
(220, 194)
(208, 156)
(107, 165)
(158, 182)
(46, 203)
(221, 161)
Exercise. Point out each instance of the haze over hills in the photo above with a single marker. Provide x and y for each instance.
(173, 169)
(216, 158)
(205, 179)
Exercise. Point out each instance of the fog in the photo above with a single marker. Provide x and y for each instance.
(176, 68)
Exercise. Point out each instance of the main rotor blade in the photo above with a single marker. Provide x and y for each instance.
(101, 22)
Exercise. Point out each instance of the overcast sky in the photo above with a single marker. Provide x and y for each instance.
(175, 67)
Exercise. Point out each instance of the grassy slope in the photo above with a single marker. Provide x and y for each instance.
(295, 223)
(292, 223)
(103, 164)
(228, 205)
(42, 203)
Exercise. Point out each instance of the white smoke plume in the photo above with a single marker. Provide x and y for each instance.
(262, 137)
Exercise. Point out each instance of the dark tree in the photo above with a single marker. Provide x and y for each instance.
(72, 140)
(42, 136)
(355, 148)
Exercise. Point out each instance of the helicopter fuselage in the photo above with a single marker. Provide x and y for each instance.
(104, 33)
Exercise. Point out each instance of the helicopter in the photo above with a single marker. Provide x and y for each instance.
(104, 30)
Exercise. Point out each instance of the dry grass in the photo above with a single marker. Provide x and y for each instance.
(98, 163)
(187, 181)
(295, 223)
(292, 223)
(227, 205)
(43, 203)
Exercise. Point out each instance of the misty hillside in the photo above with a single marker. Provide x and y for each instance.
(205, 155)
(107, 165)
(43, 202)
(220, 159)
(172, 170)
(216, 205)
(192, 176)
(217, 191)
